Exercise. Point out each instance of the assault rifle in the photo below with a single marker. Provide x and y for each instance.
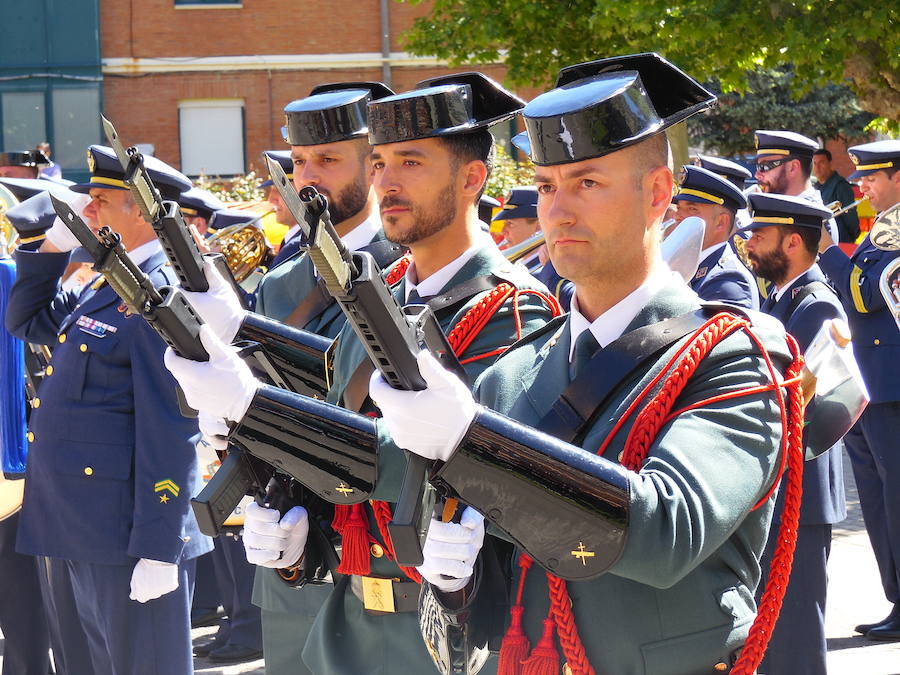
(392, 337)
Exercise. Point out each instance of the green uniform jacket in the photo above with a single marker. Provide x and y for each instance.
(283, 289)
(345, 638)
(280, 292)
(680, 599)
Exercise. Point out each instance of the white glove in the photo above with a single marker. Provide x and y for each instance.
(61, 236)
(222, 386)
(271, 542)
(220, 306)
(214, 430)
(451, 549)
(152, 579)
(431, 422)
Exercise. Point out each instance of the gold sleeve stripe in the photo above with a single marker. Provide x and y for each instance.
(854, 290)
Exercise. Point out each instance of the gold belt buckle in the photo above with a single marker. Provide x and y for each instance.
(378, 594)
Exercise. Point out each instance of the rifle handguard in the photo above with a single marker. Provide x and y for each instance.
(566, 507)
(297, 355)
(330, 450)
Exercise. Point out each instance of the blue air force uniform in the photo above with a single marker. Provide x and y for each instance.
(720, 276)
(803, 305)
(112, 464)
(798, 642)
(872, 443)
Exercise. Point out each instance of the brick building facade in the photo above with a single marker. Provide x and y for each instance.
(161, 59)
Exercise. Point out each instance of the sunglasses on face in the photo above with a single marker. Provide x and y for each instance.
(763, 167)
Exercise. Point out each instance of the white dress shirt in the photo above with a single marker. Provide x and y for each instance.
(610, 325)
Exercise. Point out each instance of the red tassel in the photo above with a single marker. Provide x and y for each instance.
(355, 544)
(544, 659)
(515, 646)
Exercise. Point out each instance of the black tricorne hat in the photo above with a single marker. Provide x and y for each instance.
(602, 106)
(332, 112)
(441, 106)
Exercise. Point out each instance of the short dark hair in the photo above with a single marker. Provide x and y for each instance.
(823, 151)
(809, 235)
(805, 165)
(475, 146)
(650, 153)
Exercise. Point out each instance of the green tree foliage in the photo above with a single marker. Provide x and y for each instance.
(827, 112)
(507, 174)
(825, 40)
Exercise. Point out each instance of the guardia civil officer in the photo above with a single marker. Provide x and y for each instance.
(26, 635)
(22, 163)
(783, 248)
(872, 443)
(431, 157)
(720, 275)
(327, 132)
(112, 464)
(670, 562)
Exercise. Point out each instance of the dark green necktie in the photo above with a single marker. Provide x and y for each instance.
(586, 346)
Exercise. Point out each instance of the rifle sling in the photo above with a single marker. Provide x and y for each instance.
(573, 413)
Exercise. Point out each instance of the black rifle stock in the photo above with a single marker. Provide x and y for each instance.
(392, 337)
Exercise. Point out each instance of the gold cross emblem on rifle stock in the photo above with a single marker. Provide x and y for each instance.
(581, 553)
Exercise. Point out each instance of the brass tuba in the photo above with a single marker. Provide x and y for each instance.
(244, 246)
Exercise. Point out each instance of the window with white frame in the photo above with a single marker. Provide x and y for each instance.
(211, 133)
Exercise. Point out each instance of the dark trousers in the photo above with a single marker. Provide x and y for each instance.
(234, 576)
(798, 643)
(206, 587)
(71, 654)
(126, 637)
(26, 637)
(873, 445)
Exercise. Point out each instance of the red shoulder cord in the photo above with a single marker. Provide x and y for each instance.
(350, 521)
(651, 418)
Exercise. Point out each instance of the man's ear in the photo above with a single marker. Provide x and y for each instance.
(473, 176)
(659, 188)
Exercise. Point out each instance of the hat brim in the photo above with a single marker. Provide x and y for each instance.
(523, 211)
(84, 188)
